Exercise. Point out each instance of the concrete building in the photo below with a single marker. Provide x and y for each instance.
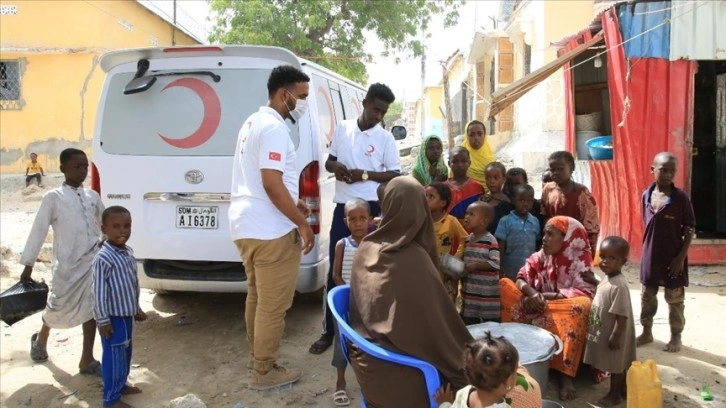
(432, 104)
(50, 81)
(526, 131)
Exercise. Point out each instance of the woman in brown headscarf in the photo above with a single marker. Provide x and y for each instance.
(398, 302)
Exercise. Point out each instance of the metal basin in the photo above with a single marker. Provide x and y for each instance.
(536, 346)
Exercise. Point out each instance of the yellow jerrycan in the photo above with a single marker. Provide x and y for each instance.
(644, 387)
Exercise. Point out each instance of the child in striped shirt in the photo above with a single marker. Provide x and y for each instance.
(480, 285)
(357, 219)
(116, 291)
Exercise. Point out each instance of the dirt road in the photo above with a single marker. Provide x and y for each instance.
(195, 343)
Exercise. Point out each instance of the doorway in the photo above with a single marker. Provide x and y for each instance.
(591, 98)
(708, 176)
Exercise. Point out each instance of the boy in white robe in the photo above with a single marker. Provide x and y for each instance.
(74, 212)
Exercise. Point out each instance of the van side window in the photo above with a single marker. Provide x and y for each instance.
(337, 103)
(326, 115)
(350, 102)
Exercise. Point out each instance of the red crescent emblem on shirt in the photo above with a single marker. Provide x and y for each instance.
(210, 120)
(371, 149)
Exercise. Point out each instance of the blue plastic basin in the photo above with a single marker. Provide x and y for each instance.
(601, 148)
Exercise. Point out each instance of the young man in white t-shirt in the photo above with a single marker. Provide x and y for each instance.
(362, 155)
(268, 221)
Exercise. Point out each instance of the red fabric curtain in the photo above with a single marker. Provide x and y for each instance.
(651, 108)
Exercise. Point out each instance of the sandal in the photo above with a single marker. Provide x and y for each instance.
(598, 375)
(93, 368)
(37, 353)
(705, 393)
(321, 345)
(341, 399)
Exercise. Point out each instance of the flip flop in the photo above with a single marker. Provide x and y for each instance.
(37, 353)
(93, 368)
(706, 393)
(599, 376)
(341, 399)
(321, 345)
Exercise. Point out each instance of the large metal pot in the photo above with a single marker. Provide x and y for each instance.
(536, 346)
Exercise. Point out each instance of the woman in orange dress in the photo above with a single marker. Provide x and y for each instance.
(554, 291)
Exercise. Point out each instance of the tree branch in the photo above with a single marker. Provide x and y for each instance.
(317, 35)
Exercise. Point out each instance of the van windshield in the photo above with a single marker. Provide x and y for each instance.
(187, 115)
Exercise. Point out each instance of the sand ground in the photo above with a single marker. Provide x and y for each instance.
(195, 343)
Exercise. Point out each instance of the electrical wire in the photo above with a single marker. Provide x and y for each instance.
(683, 4)
(667, 20)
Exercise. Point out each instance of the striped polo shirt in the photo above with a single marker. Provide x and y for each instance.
(480, 289)
(115, 283)
(349, 250)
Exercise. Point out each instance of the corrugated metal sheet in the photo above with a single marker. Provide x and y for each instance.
(698, 31)
(645, 29)
(654, 104)
(649, 125)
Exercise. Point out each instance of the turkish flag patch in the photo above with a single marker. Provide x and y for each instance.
(275, 156)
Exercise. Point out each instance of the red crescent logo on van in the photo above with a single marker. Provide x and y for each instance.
(210, 120)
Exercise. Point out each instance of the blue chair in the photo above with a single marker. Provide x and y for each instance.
(339, 302)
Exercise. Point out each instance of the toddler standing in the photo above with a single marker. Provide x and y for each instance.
(116, 290)
(357, 219)
(516, 176)
(450, 235)
(611, 333)
(518, 232)
(480, 285)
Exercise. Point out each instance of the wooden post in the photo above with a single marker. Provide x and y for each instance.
(450, 129)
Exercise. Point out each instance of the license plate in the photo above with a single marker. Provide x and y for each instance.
(197, 217)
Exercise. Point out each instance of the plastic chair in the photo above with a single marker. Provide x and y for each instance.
(339, 302)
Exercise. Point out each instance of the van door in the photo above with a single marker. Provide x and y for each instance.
(166, 155)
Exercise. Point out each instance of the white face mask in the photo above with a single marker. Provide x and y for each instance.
(301, 106)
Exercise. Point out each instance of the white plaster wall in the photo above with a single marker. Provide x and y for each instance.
(538, 114)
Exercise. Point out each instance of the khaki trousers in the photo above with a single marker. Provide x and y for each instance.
(675, 298)
(272, 267)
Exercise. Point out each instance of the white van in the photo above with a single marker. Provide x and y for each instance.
(166, 131)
